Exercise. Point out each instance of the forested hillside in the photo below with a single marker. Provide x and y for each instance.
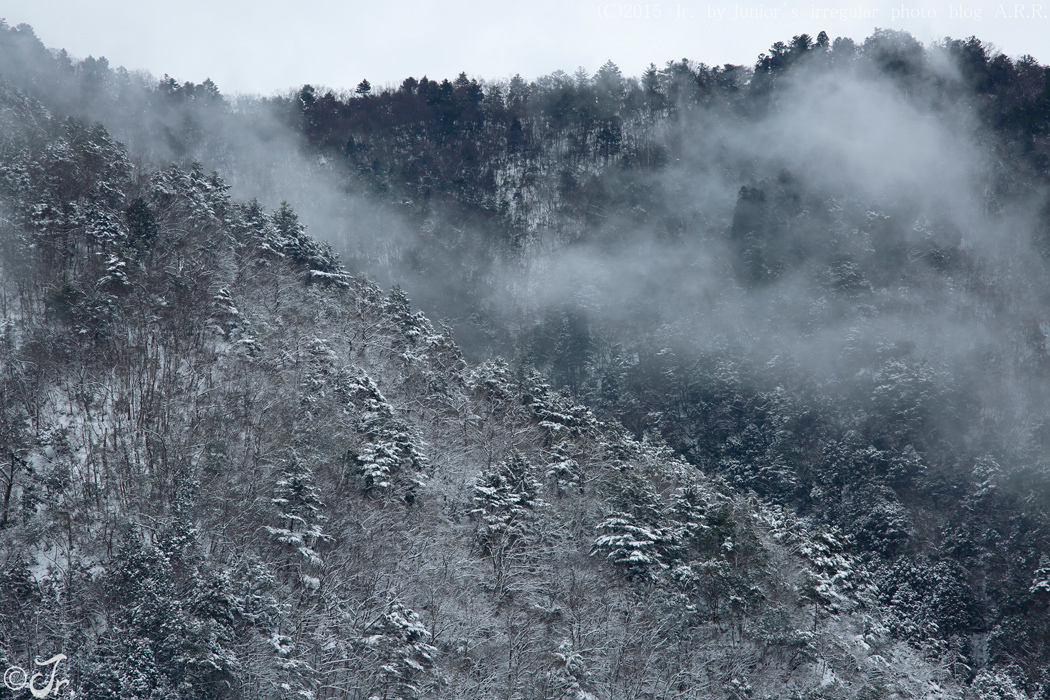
(773, 420)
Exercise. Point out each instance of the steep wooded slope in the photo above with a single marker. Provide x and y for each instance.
(233, 470)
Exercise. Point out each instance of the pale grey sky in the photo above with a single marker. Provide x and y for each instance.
(270, 45)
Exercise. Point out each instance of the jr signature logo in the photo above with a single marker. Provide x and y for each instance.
(16, 678)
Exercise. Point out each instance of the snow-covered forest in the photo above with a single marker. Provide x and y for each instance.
(713, 382)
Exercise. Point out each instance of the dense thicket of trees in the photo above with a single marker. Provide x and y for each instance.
(230, 468)
(931, 463)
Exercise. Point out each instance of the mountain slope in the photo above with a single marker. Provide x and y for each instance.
(234, 470)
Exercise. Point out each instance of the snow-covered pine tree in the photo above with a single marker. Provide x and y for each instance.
(633, 534)
(399, 641)
(298, 513)
(506, 500)
(569, 678)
